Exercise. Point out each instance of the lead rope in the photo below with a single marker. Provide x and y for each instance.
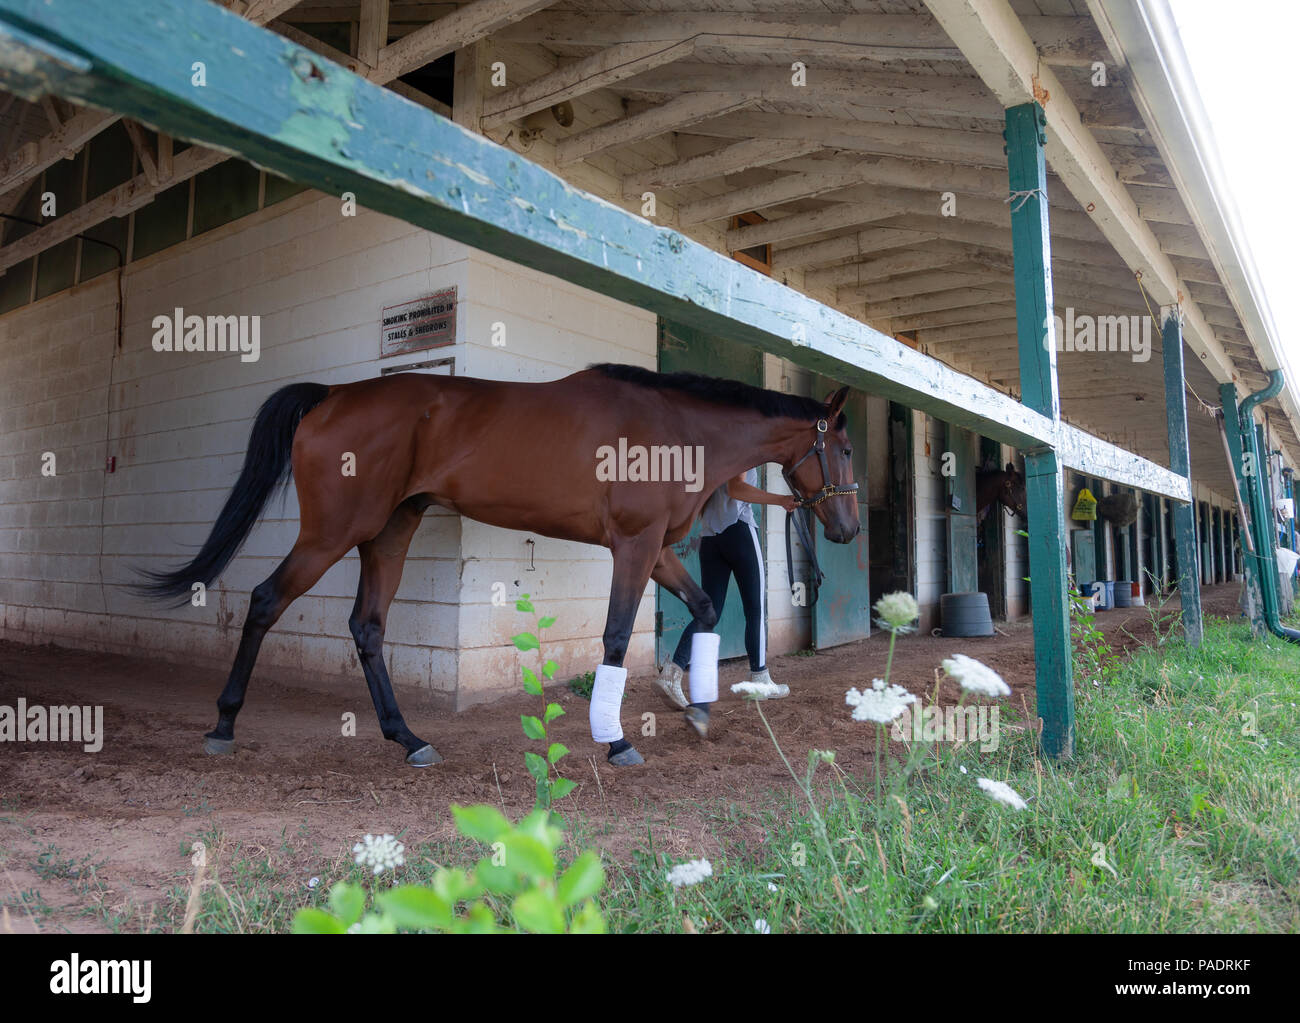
(827, 491)
(816, 575)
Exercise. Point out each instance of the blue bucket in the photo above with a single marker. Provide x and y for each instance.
(1104, 591)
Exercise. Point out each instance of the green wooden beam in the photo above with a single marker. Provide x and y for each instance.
(295, 113)
(1044, 473)
(1180, 461)
(1032, 257)
(1053, 656)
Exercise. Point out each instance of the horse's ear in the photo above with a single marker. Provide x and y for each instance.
(1011, 468)
(835, 402)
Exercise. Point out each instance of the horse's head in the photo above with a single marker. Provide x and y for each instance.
(821, 475)
(1011, 491)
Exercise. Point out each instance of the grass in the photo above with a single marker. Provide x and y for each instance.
(249, 893)
(582, 685)
(1180, 813)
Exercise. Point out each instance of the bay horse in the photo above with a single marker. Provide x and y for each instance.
(524, 456)
(1002, 486)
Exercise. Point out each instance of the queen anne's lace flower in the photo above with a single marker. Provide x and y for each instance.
(897, 611)
(975, 677)
(690, 873)
(1003, 793)
(880, 703)
(755, 690)
(380, 854)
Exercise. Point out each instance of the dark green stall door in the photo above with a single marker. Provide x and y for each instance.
(684, 349)
(843, 609)
(963, 538)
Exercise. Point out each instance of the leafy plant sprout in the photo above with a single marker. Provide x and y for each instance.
(549, 789)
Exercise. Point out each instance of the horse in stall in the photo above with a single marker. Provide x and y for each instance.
(524, 456)
(1007, 488)
(1000, 486)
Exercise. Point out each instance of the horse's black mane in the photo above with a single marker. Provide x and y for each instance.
(717, 389)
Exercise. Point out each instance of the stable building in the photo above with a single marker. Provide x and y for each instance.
(905, 196)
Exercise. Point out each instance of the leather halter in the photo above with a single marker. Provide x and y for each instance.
(828, 489)
(802, 523)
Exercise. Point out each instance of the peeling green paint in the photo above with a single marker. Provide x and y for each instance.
(1044, 473)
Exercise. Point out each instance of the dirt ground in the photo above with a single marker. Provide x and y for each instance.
(135, 806)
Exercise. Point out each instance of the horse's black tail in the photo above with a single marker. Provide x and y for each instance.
(266, 469)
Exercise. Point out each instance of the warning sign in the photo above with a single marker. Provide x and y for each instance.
(414, 326)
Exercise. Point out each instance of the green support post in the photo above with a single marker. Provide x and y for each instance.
(1180, 461)
(1044, 473)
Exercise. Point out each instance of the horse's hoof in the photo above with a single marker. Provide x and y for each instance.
(425, 756)
(218, 747)
(626, 758)
(699, 720)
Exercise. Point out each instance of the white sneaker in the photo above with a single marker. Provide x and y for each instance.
(763, 677)
(669, 684)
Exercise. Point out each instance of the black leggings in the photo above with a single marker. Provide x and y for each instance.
(735, 549)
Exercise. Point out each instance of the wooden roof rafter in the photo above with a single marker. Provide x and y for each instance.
(145, 186)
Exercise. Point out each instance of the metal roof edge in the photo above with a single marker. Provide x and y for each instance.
(1144, 37)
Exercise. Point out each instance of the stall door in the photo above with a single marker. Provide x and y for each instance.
(963, 550)
(843, 609)
(686, 350)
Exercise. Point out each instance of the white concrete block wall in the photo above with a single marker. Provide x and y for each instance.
(179, 428)
(789, 625)
(1016, 548)
(931, 528)
(551, 328)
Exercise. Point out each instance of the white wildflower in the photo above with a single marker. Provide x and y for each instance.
(383, 853)
(963, 769)
(756, 690)
(897, 611)
(690, 873)
(762, 927)
(880, 703)
(1003, 793)
(975, 677)
(772, 888)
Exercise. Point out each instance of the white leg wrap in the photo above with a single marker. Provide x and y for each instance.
(704, 667)
(607, 703)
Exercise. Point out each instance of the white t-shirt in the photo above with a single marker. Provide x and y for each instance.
(721, 510)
